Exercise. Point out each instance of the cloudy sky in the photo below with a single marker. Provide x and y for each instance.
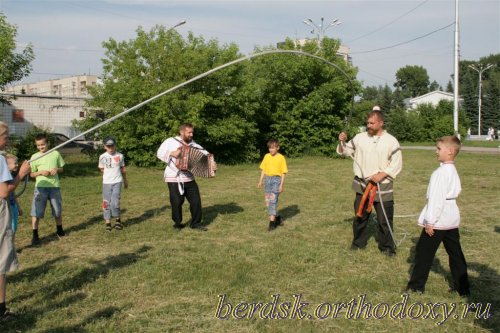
(382, 36)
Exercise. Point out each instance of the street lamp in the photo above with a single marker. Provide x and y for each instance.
(321, 27)
(480, 70)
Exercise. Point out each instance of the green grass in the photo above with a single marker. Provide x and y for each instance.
(152, 278)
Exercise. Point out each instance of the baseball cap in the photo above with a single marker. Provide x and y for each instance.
(376, 108)
(109, 141)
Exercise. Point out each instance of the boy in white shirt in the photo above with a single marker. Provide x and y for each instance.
(441, 219)
(112, 166)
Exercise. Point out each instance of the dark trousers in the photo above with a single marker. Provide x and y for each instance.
(424, 255)
(192, 194)
(360, 225)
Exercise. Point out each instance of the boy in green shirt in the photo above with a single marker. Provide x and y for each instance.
(47, 187)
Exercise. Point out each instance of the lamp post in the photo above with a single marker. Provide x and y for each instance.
(321, 27)
(480, 71)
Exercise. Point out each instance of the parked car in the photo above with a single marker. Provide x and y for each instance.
(74, 147)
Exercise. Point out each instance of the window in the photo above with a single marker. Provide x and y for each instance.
(82, 114)
(18, 116)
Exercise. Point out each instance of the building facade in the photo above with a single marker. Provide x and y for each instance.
(52, 105)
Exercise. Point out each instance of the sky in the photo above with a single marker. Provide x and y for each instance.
(383, 36)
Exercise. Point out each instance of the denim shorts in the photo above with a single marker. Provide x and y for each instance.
(272, 185)
(40, 197)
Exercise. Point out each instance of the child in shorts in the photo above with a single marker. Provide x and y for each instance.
(274, 170)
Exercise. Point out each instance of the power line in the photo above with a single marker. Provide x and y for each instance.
(388, 24)
(402, 43)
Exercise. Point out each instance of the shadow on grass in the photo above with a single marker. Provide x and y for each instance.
(103, 314)
(484, 300)
(497, 229)
(40, 270)
(289, 211)
(53, 237)
(210, 213)
(144, 216)
(75, 284)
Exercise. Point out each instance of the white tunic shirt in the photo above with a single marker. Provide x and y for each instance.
(441, 210)
(172, 174)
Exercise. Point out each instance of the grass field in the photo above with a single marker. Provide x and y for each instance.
(150, 277)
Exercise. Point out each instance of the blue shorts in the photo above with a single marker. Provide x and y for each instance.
(40, 197)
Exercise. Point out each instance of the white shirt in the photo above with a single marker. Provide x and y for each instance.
(172, 174)
(5, 175)
(112, 164)
(441, 210)
(374, 154)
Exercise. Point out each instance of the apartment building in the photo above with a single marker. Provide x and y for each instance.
(52, 104)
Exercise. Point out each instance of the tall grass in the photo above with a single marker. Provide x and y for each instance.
(150, 277)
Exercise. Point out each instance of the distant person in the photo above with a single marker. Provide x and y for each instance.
(274, 170)
(8, 256)
(15, 208)
(440, 219)
(46, 170)
(377, 161)
(181, 184)
(112, 166)
(468, 133)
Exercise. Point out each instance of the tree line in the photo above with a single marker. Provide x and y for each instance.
(296, 99)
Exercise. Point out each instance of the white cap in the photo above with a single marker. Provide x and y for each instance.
(376, 108)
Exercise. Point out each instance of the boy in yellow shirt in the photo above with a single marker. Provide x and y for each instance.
(274, 169)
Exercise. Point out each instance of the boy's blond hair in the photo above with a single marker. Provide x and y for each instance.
(452, 142)
(4, 128)
(11, 157)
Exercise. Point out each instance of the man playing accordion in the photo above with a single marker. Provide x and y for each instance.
(181, 183)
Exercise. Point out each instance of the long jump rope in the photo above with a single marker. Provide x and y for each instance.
(213, 70)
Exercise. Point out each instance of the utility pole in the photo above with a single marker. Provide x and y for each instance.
(455, 75)
(480, 71)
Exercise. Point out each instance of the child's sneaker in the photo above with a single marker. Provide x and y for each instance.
(35, 241)
(108, 227)
(272, 225)
(118, 226)
(279, 220)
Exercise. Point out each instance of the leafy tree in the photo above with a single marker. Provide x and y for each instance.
(412, 80)
(449, 87)
(490, 95)
(434, 86)
(234, 110)
(13, 66)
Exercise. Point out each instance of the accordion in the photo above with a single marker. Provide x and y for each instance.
(193, 160)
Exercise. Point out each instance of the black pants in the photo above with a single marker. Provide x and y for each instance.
(192, 194)
(360, 225)
(424, 255)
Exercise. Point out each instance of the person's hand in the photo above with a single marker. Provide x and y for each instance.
(44, 173)
(175, 153)
(280, 189)
(342, 137)
(24, 170)
(259, 185)
(429, 230)
(378, 177)
(53, 172)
